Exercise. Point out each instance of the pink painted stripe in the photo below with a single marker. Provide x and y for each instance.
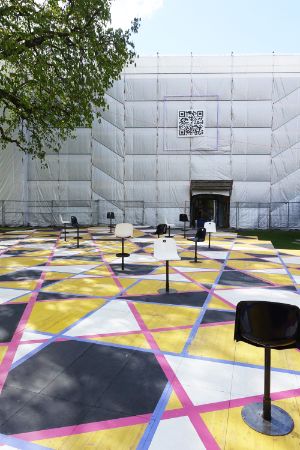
(13, 345)
(227, 404)
(126, 333)
(197, 422)
(83, 428)
(202, 430)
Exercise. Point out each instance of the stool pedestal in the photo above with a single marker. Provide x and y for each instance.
(264, 417)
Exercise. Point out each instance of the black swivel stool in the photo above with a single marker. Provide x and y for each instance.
(183, 218)
(268, 325)
(75, 224)
(161, 229)
(111, 216)
(199, 237)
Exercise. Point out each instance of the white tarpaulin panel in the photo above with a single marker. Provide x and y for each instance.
(212, 85)
(256, 87)
(106, 186)
(248, 114)
(210, 167)
(108, 161)
(140, 88)
(109, 135)
(251, 141)
(141, 114)
(175, 168)
(250, 191)
(285, 163)
(140, 141)
(251, 167)
(139, 167)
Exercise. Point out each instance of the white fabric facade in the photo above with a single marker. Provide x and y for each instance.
(134, 163)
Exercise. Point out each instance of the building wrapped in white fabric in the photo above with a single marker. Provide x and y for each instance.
(212, 136)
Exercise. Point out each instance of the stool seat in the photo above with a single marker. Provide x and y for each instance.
(123, 255)
(272, 343)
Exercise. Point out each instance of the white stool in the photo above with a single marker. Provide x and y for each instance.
(64, 223)
(123, 231)
(166, 250)
(210, 228)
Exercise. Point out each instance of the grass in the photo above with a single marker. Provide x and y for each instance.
(279, 238)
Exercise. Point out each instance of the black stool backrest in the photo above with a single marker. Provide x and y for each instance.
(74, 221)
(200, 235)
(161, 229)
(268, 324)
(183, 218)
(110, 215)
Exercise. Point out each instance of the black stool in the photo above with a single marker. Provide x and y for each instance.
(75, 224)
(111, 216)
(161, 229)
(267, 325)
(183, 218)
(199, 237)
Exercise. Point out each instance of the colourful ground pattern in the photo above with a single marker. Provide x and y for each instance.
(96, 358)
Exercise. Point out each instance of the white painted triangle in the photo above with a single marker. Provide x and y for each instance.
(24, 349)
(66, 268)
(9, 294)
(113, 317)
(32, 336)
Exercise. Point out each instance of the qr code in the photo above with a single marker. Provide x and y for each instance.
(191, 123)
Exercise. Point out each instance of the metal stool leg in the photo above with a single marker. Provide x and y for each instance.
(208, 240)
(65, 228)
(196, 260)
(110, 225)
(184, 235)
(265, 417)
(122, 253)
(267, 398)
(77, 237)
(167, 276)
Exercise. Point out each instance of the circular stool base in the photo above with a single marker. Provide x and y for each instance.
(124, 255)
(170, 291)
(280, 424)
(195, 262)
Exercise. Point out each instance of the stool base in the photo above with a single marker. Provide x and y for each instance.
(124, 255)
(280, 424)
(170, 291)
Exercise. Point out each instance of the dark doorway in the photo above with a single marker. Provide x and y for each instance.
(210, 207)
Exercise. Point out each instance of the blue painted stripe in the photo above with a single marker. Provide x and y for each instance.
(155, 419)
(205, 306)
(20, 444)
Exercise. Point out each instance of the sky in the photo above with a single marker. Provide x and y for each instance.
(180, 27)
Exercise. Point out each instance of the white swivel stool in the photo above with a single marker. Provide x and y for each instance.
(169, 225)
(123, 231)
(210, 228)
(166, 250)
(64, 223)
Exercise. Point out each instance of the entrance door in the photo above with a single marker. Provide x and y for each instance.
(210, 207)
